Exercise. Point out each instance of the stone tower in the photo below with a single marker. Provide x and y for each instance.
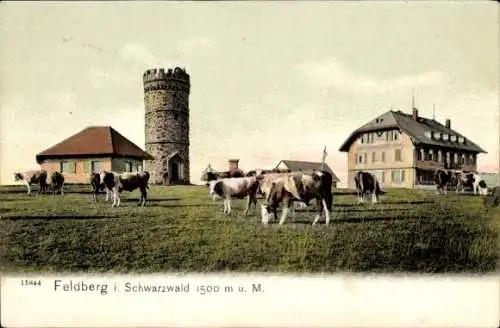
(166, 101)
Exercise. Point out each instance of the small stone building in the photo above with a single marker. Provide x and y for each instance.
(94, 149)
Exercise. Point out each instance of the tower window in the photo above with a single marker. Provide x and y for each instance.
(176, 116)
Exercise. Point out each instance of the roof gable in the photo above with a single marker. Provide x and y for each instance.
(419, 130)
(307, 166)
(94, 141)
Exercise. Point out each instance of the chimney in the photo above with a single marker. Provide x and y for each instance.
(233, 164)
(415, 113)
(448, 123)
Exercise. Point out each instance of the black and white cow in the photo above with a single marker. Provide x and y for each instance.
(33, 177)
(97, 183)
(239, 187)
(481, 186)
(118, 182)
(367, 183)
(442, 178)
(297, 186)
(57, 182)
(461, 180)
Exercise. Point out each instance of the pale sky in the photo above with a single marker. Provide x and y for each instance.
(269, 81)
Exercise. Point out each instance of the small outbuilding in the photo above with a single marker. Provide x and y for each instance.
(93, 149)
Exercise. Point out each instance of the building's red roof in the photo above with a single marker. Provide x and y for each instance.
(94, 141)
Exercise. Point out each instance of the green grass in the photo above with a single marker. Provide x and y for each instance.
(181, 229)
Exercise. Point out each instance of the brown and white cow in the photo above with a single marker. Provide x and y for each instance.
(296, 186)
(239, 187)
(57, 182)
(118, 182)
(367, 183)
(33, 177)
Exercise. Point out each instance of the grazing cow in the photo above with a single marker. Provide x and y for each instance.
(33, 177)
(298, 186)
(239, 187)
(57, 182)
(442, 178)
(367, 183)
(117, 183)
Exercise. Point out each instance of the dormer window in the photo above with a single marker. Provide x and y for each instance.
(428, 134)
(446, 136)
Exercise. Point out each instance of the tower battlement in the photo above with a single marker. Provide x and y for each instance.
(177, 74)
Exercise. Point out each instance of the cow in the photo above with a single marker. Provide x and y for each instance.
(33, 177)
(367, 183)
(211, 176)
(96, 184)
(442, 178)
(461, 180)
(57, 182)
(296, 186)
(239, 187)
(117, 183)
(482, 187)
(477, 188)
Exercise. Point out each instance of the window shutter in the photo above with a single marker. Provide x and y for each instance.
(72, 167)
(88, 167)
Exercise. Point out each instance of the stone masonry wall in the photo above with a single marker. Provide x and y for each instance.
(166, 101)
(162, 152)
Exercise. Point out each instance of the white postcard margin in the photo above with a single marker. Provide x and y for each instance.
(249, 300)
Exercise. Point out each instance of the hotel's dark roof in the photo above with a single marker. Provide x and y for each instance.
(416, 129)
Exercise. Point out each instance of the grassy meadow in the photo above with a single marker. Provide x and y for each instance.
(182, 229)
